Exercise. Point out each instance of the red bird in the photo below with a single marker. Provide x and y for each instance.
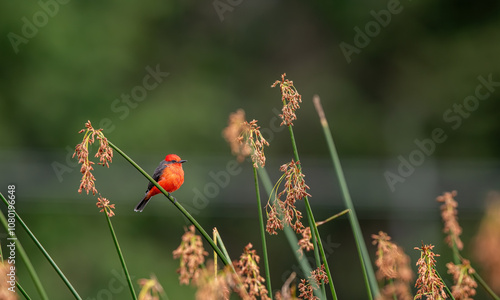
(168, 174)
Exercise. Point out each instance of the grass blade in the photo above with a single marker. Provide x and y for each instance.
(27, 262)
(44, 252)
(314, 228)
(263, 234)
(120, 254)
(369, 275)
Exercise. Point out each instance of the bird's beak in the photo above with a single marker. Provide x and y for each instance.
(182, 161)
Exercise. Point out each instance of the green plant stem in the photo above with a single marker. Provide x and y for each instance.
(175, 203)
(120, 254)
(262, 234)
(223, 248)
(485, 286)
(316, 253)
(313, 222)
(44, 252)
(444, 284)
(22, 291)
(27, 261)
(456, 254)
(368, 273)
(332, 217)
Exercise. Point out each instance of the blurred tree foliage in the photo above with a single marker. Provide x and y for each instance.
(88, 54)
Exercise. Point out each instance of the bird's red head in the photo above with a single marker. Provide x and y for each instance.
(174, 158)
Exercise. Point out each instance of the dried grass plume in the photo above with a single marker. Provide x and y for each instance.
(393, 265)
(450, 220)
(487, 242)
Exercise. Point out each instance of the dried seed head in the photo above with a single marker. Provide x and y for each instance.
(307, 286)
(192, 256)
(306, 290)
(393, 264)
(465, 286)
(305, 242)
(104, 153)
(245, 139)
(487, 242)
(150, 288)
(291, 99)
(428, 282)
(295, 186)
(449, 216)
(249, 271)
(233, 135)
(251, 134)
(295, 189)
(104, 204)
(214, 287)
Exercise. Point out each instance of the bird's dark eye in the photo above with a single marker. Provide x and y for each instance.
(173, 161)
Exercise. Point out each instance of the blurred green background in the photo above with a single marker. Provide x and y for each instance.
(63, 63)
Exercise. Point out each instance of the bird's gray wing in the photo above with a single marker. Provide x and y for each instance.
(157, 173)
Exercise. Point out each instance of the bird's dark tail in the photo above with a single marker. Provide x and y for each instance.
(142, 204)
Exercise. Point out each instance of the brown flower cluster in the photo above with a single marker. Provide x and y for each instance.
(248, 269)
(295, 189)
(105, 154)
(465, 286)
(305, 241)
(487, 242)
(428, 282)
(291, 99)
(219, 284)
(307, 286)
(393, 264)
(103, 203)
(449, 216)
(245, 138)
(215, 287)
(232, 133)
(150, 289)
(251, 135)
(192, 256)
(306, 290)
